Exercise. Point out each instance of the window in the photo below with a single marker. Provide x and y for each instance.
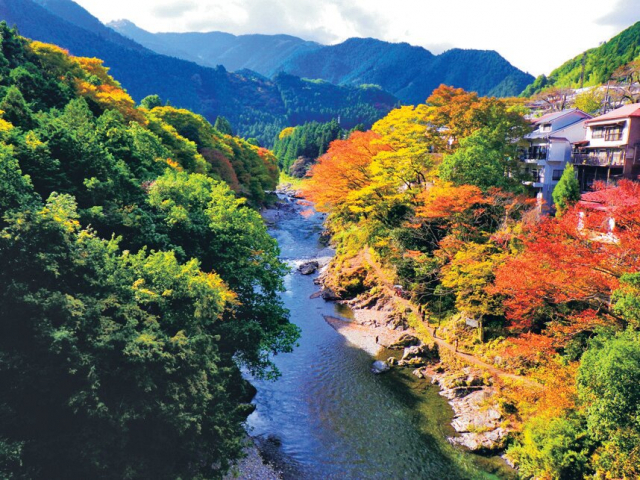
(546, 127)
(556, 175)
(597, 132)
(613, 134)
(609, 134)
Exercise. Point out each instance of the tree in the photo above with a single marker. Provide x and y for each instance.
(567, 192)
(16, 110)
(206, 221)
(343, 172)
(113, 360)
(556, 448)
(589, 101)
(609, 390)
(150, 102)
(570, 266)
(223, 126)
(554, 98)
(485, 160)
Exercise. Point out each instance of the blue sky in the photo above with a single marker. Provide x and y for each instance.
(535, 36)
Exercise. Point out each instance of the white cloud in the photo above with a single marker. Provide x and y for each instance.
(534, 36)
(624, 14)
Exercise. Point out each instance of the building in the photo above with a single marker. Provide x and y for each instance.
(611, 148)
(550, 146)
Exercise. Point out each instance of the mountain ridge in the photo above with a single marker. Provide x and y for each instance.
(254, 105)
(410, 72)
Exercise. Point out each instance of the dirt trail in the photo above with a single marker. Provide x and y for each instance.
(387, 283)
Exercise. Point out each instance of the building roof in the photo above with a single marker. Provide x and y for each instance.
(627, 111)
(550, 117)
(574, 132)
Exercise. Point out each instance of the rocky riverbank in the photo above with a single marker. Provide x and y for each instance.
(253, 466)
(470, 392)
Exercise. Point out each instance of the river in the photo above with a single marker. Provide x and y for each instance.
(327, 416)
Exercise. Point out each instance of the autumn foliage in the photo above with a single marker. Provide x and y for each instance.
(343, 170)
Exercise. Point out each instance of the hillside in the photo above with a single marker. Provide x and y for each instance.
(137, 277)
(253, 104)
(410, 73)
(599, 63)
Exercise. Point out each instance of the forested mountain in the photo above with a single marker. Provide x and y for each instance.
(262, 53)
(253, 104)
(410, 73)
(595, 66)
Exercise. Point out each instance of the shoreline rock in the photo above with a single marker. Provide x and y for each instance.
(254, 466)
(477, 418)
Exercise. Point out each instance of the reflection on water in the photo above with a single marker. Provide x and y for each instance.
(331, 417)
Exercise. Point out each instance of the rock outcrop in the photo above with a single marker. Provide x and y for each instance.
(309, 268)
(478, 420)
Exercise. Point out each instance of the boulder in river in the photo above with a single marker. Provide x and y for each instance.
(308, 268)
(380, 367)
(329, 295)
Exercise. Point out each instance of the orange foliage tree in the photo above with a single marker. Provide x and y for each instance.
(343, 171)
(569, 267)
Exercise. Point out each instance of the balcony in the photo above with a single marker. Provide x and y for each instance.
(603, 159)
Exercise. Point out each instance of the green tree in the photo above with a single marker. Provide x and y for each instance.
(16, 110)
(114, 365)
(223, 126)
(485, 159)
(150, 102)
(626, 300)
(609, 389)
(557, 448)
(567, 191)
(206, 221)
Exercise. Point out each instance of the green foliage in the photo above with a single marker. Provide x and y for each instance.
(223, 126)
(626, 300)
(151, 101)
(567, 192)
(599, 63)
(590, 101)
(608, 387)
(484, 159)
(310, 140)
(557, 449)
(16, 191)
(90, 335)
(206, 221)
(131, 297)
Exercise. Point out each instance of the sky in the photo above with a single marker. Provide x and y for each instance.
(535, 36)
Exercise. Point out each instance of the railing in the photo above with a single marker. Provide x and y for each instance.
(602, 160)
(533, 155)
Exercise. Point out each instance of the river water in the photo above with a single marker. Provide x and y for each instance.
(327, 416)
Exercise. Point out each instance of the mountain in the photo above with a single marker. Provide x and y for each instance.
(410, 73)
(78, 16)
(254, 104)
(599, 63)
(262, 53)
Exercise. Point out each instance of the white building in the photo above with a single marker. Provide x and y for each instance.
(550, 148)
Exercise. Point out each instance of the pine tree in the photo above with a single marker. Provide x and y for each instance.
(567, 191)
(223, 126)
